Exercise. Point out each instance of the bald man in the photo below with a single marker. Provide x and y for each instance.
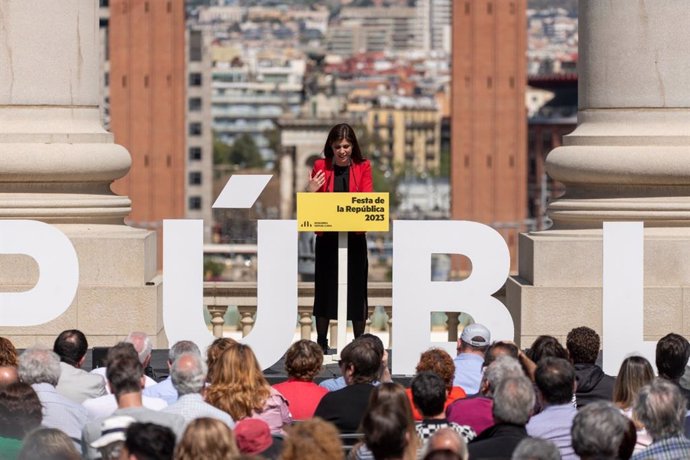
(448, 439)
(8, 374)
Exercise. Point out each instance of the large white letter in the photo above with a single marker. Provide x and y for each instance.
(623, 295)
(58, 277)
(183, 276)
(276, 284)
(415, 296)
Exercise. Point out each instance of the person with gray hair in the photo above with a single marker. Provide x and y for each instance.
(598, 431)
(660, 407)
(40, 368)
(143, 346)
(536, 449)
(512, 407)
(476, 412)
(188, 374)
(165, 389)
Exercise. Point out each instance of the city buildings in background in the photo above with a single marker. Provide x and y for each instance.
(145, 51)
(488, 135)
(199, 133)
(257, 83)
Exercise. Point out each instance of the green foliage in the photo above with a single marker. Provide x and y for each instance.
(213, 269)
(444, 164)
(243, 153)
(273, 137)
(382, 176)
(221, 152)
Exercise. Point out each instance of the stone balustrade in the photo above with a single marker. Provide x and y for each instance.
(219, 295)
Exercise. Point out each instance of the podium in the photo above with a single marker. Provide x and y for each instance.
(342, 213)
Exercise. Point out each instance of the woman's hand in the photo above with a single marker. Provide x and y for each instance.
(316, 181)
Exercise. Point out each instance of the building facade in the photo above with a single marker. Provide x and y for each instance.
(199, 158)
(251, 92)
(375, 29)
(488, 144)
(435, 24)
(146, 80)
(408, 131)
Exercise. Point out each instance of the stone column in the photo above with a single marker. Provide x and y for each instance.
(287, 179)
(628, 160)
(56, 165)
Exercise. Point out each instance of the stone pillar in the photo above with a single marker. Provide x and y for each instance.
(287, 180)
(628, 160)
(56, 165)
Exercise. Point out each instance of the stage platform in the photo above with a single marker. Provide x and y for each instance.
(274, 374)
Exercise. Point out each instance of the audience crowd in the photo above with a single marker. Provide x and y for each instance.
(491, 401)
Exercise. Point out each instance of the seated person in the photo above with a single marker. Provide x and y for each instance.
(360, 363)
(439, 362)
(429, 396)
(302, 362)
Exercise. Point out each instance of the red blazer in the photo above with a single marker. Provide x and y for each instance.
(360, 175)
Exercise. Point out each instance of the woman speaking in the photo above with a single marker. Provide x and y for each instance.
(342, 170)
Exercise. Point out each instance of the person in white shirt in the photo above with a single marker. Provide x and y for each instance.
(143, 346)
(126, 378)
(165, 389)
(105, 405)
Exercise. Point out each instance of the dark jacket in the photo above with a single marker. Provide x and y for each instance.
(592, 384)
(345, 408)
(498, 441)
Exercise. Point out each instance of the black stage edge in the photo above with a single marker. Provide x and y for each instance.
(274, 374)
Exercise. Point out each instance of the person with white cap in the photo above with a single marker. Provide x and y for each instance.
(472, 345)
(126, 379)
(113, 435)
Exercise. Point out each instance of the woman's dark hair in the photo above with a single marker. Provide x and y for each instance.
(343, 131)
(546, 346)
(150, 441)
(20, 410)
(634, 373)
(385, 430)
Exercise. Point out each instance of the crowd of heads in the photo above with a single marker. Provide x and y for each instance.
(232, 410)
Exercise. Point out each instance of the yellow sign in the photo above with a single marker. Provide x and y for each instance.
(342, 212)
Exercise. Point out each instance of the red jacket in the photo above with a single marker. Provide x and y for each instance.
(360, 175)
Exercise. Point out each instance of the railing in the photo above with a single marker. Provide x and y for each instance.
(218, 296)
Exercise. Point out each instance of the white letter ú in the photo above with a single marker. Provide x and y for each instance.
(276, 284)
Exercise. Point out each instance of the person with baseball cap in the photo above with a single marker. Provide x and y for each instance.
(472, 345)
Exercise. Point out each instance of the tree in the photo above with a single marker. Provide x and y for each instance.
(383, 177)
(221, 152)
(444, 164)
(245, 153)
(242, 153)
